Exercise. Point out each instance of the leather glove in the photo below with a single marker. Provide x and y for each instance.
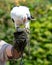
(20, 40)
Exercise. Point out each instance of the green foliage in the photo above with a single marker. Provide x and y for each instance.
(41, 31)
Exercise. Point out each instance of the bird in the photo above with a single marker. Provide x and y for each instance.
(21, 16)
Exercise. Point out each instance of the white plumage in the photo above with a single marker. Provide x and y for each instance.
(18, 14)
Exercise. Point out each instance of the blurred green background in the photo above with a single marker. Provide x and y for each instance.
(41, 30)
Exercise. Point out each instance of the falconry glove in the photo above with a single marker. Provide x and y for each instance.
(20, 40)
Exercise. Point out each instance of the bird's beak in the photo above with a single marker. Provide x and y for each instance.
(31, 18)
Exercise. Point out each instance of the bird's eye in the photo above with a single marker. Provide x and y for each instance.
(29, 18)
(13, 20)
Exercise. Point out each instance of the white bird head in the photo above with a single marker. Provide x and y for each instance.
(21, 15)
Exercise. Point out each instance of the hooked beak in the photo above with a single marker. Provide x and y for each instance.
(31, 18)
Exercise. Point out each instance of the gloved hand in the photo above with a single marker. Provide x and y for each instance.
(20, 40)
